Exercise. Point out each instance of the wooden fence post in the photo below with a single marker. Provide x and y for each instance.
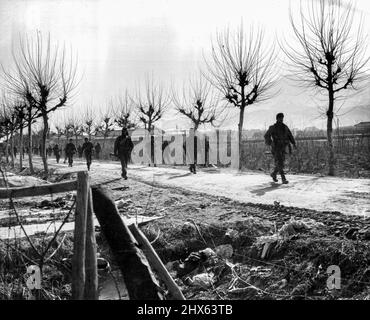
(78, 260)
(91, 279)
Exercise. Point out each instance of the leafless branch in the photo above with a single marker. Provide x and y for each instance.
(152, 104)
(198, 102)
(124, 111)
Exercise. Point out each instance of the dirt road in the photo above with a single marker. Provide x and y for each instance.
(348, 196)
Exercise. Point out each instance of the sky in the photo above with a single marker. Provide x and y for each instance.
(121, 43)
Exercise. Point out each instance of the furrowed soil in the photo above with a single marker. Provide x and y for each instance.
(216, 248)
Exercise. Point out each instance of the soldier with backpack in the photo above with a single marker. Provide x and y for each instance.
(122, 149)
(97, 150)
(56, 152)
(70, 151)
(279, 138)
(87, 148)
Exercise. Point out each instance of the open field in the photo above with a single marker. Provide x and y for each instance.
(352, 157)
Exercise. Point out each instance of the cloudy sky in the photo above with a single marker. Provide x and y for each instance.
(120, 43)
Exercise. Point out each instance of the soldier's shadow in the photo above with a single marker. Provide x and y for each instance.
(260, 192)
(180, 176)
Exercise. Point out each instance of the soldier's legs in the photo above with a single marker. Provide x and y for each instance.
(277, 164)
(191, 166)
(194, 168)
(279, 158)
(274, 173)
(280, 165)
(70, 160)
(124, 166)
(88, 161)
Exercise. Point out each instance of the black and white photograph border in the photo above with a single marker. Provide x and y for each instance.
(166, 151)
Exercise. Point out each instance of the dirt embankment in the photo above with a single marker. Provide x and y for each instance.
(261, 251)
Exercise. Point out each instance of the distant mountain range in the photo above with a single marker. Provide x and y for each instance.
(301, 107)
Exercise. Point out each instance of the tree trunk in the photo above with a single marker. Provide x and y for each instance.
(329, 133)
(21, 147)
(240, 135)
(29, 125)
(43, 144)
(103, 146)
(12, 148)
(7, 148)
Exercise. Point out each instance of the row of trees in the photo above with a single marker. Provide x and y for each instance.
(43, 80)
(328, 53)
(195, 101)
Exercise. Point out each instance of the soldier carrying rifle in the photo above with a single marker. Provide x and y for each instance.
(279, 137)
(122, 149)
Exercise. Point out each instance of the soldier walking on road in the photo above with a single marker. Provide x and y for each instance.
(97, 150)
(50, 151)
(191, 159)
(87, 149)
(122, 149)
(70, 151)
(279, 137)
(56, 152)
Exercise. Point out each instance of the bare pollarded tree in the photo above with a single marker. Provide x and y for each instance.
(45, 76)
(124, 111)
(329, 55)
(20, 109)
(242, 68)
(14, 112)
(9, 122)
(32, 114)
(151, 105)
(6, 127)
(198, 103)
(26, 115)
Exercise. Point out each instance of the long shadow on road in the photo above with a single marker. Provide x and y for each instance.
(260, 192)
(180, 176)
